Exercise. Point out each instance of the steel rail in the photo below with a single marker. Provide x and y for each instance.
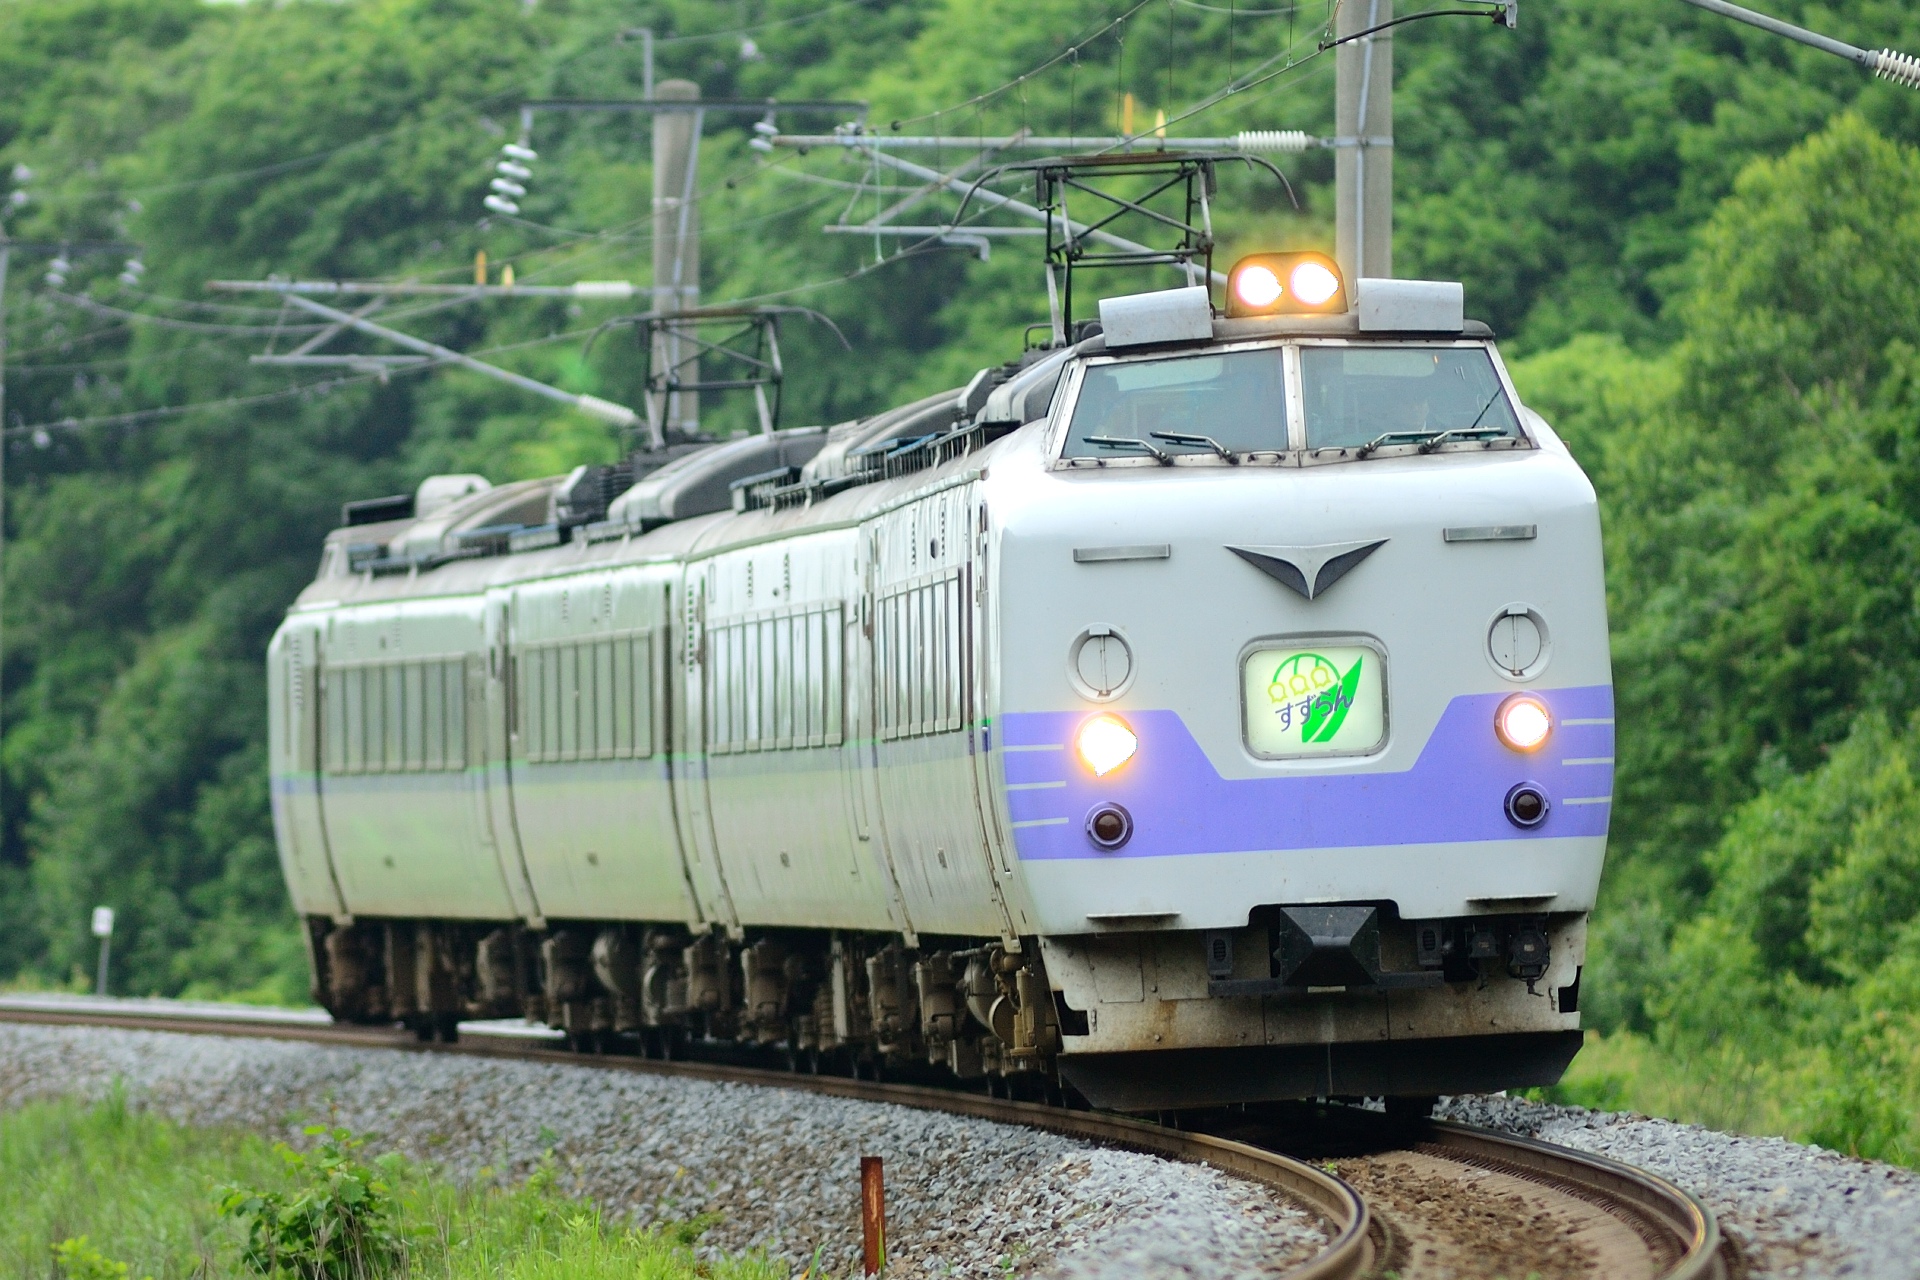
(1667, 1216)
(1668, 1209)
(1673, 1223)
(1352, 1252)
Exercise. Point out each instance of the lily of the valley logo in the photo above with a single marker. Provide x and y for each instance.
(1310, 691)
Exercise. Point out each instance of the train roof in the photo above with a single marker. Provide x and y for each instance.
(661, 503)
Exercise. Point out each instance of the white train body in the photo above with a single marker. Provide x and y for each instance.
(844, 723)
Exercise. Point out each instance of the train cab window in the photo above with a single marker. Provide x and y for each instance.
(1183, 405)
(1368, 396)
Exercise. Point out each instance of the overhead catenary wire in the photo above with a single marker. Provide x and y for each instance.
(1071, 51)
(450, 112)
(320, 386)
(1242, 13)
(592, 243)
(97, 307)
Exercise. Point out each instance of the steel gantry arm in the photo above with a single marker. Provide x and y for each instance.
(1886, 63)
(605, 410)
(993, 200)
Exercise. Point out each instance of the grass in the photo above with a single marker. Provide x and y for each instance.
(141, 1191)
(1625, 1071)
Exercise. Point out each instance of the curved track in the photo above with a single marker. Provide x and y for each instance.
(1640, 1224)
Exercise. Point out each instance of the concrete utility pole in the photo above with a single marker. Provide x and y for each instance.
(676, 251)
(1363, 141)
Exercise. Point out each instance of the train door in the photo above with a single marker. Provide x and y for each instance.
(861, 772)
(925, 716)
(693, 799)
(294, 723)
(983, 663)
(500, 714)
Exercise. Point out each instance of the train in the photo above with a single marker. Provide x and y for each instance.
(1211, 707)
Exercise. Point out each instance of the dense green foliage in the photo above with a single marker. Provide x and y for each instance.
(1701, 242)
(106, 1191)
(1763, 518)
(340, 1220)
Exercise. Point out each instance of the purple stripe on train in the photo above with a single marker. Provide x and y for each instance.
(1180, 803)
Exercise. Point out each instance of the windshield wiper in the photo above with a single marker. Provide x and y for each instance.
(1461, 433)
(1128, 442)
(1396, 437)
(1199, 441)
(1430, 439)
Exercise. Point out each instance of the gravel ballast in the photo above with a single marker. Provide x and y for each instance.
(1795, 1210)
(965, 1197)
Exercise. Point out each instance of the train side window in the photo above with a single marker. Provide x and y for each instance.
(919, 653)
(587, 700)
(567, 699)
(456, 718)
(333, 719)
(413, 715)
(774, 681)
(395, 717)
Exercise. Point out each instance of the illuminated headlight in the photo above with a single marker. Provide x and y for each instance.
(1523, 722)
(1105, 743)
(1258, 287)
(1313, 284)
(1285, 284)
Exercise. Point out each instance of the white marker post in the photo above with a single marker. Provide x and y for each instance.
(103, 930)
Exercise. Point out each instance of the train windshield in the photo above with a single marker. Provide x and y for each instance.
(1191, 404)
(1361, 396)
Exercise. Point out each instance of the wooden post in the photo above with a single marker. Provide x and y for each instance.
(873, 1217)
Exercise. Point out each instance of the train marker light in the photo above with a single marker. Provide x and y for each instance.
(1109, 826)
(1523, 722)
(1526, 805)
(1285, 284)
(1105, 743)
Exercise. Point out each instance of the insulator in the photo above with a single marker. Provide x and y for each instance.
(513, 170)
(1272, 140)
(1900, 68)
(519, 152)
(500, 204)
(506, 187)
(759, 144)
(765, 128)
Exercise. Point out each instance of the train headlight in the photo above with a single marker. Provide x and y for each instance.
(1257, 286)
(1313, 284)
(1284, 284)
(1105, 743)
(1523, 722)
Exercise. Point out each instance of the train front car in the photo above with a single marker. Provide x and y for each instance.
(1306, 719)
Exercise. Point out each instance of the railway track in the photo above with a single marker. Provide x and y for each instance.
(1410, 1199)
